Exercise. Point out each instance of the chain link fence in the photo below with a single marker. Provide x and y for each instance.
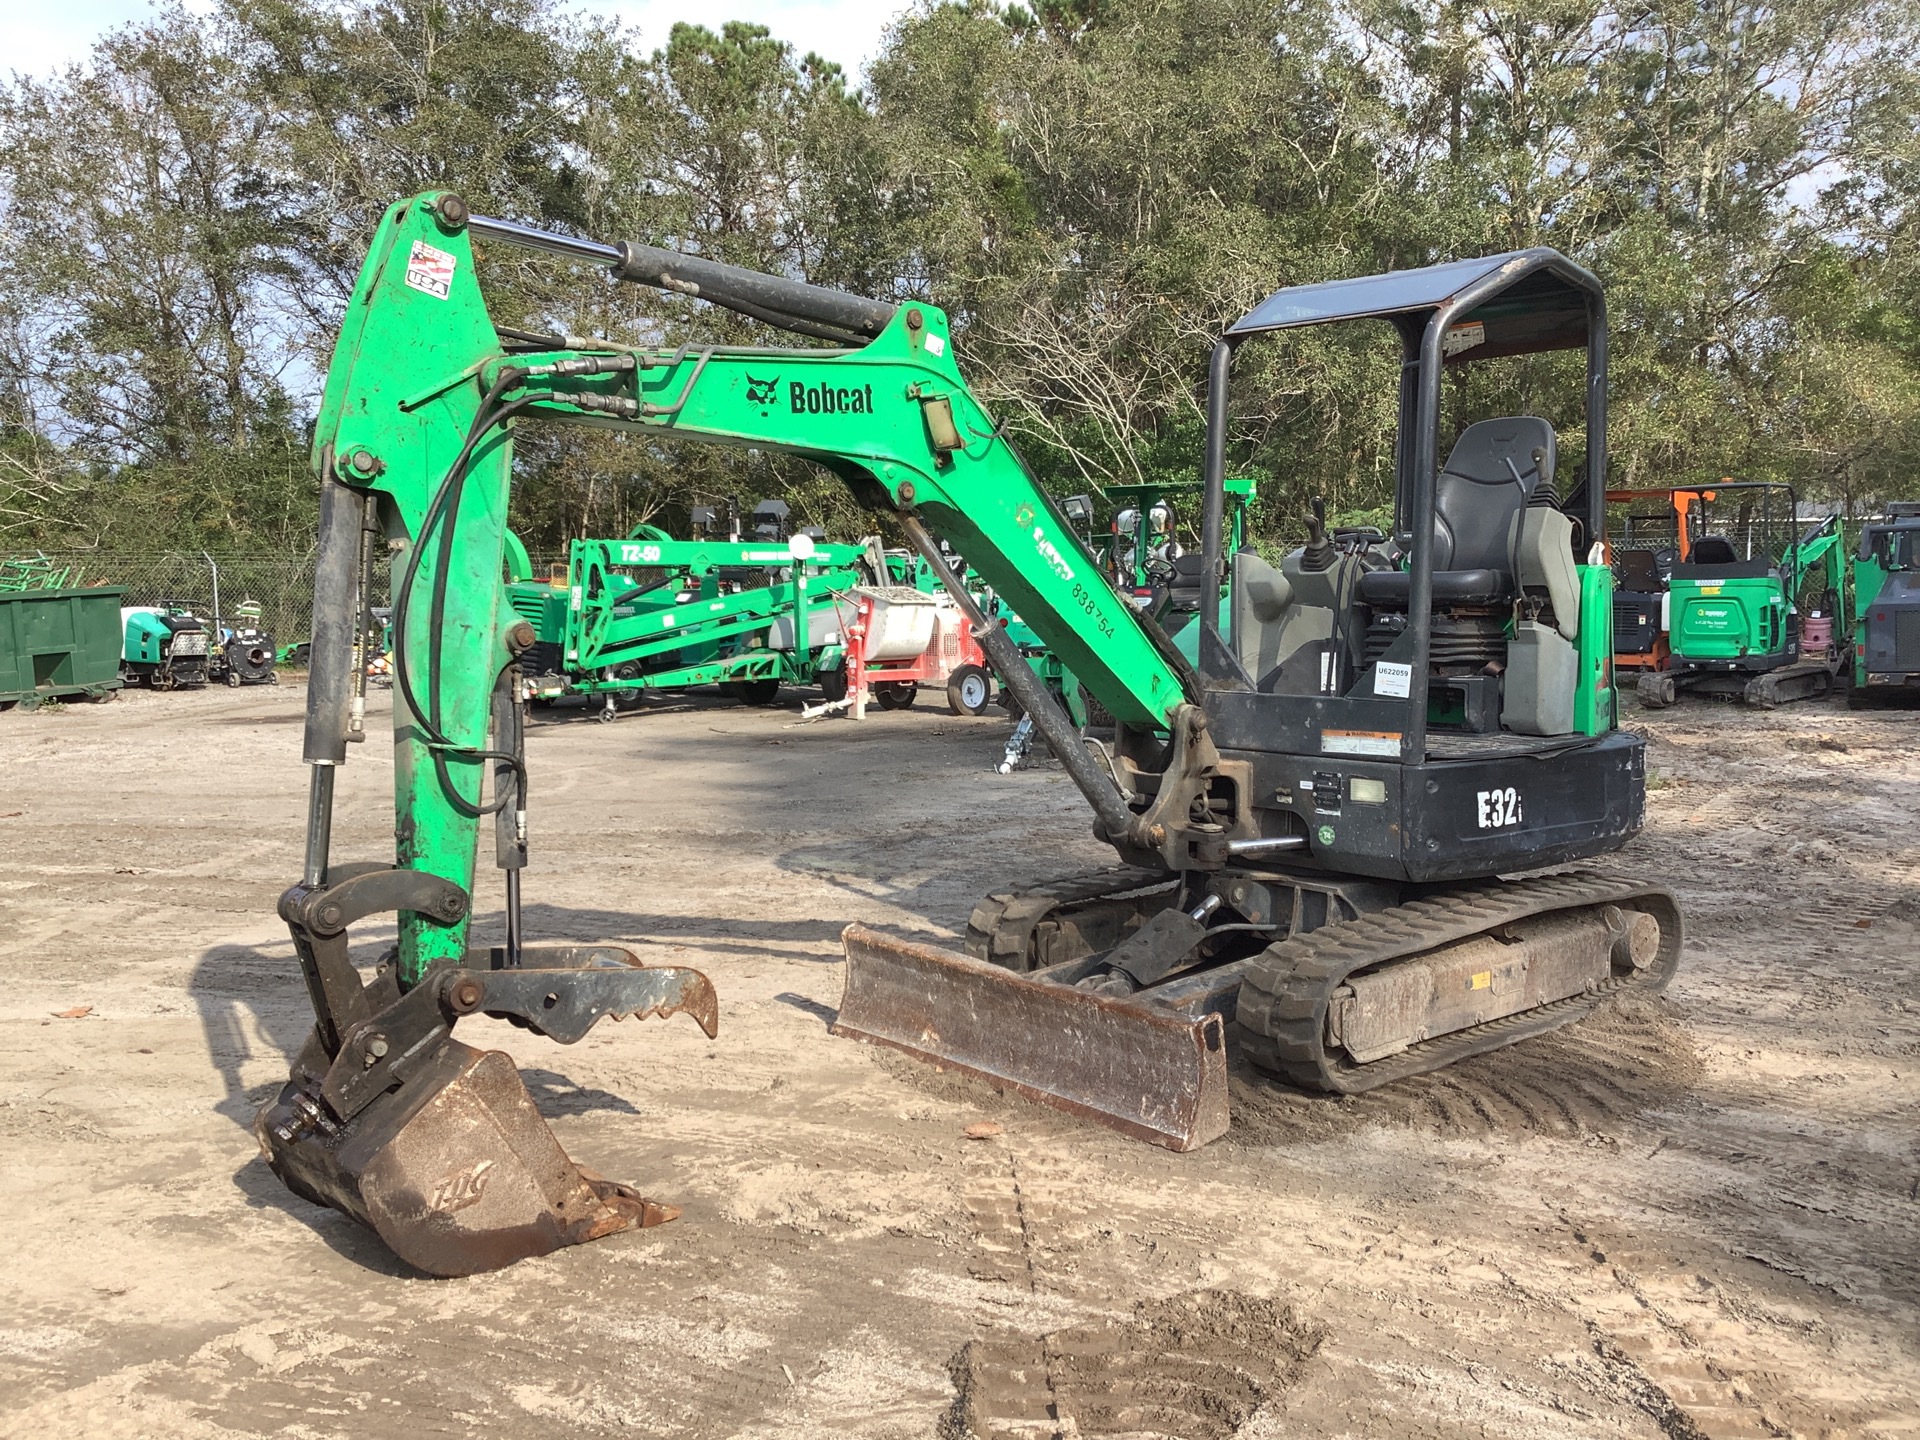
(281, 584)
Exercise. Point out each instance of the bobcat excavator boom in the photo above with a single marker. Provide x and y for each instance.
(1294, 818)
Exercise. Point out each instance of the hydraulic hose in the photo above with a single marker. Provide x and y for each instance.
(1109, 805)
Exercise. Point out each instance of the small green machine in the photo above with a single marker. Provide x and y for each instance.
(649, 612)
(1741, 621)
(1886, 589)
(167, 647)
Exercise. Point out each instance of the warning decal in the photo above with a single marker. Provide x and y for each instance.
(1461, 338)
(1383, 743)
(430, 270)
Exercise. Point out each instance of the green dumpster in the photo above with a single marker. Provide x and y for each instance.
(58, 642)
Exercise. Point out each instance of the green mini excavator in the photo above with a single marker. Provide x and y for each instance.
(1308, 820)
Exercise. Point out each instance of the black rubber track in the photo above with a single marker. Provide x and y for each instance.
(1282, 1017)
(1002, 925)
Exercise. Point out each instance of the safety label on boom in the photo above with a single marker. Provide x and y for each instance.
(430, 270)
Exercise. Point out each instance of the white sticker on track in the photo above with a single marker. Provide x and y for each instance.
(430, 271)
(1393, 680)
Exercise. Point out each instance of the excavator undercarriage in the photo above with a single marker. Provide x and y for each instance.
(1112, 1018)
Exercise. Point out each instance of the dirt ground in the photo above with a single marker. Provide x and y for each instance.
(1692, 1218)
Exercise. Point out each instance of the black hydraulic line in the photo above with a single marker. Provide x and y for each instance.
(443, 511)
(510, 796)
(329, 661)
(1213, 504)
(788, 304)
(735, 287)
(1048, 718)
(637, 591)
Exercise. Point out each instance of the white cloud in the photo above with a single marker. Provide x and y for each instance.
(44, 38)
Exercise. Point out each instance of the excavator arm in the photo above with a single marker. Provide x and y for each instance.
(436, 1145)
(419, 414)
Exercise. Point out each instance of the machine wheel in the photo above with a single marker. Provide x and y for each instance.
(833, 684)
(757, 692)
(233, 679)
(1656, 690)
(969, 691)
(627, 699)
(896, 694)
(29, 702)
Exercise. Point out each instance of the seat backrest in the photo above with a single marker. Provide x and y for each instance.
(1713, 550)
(1496, 465)
(1183, 585)
(1638, 569)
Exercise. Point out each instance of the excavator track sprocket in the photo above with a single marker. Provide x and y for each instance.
(1286, 995)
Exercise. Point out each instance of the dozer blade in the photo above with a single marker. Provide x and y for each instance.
(449, 1163)
(1145, 1070)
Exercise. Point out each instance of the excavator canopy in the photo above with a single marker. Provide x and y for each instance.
(1520, 302)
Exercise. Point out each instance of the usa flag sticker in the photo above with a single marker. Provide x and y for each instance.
(430, 270)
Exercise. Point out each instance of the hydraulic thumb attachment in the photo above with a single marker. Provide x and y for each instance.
(430, 1143)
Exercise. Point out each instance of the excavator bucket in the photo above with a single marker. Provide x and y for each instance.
(454, 1168)
(1144, 1069)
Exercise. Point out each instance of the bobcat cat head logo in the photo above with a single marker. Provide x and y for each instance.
(761, 392)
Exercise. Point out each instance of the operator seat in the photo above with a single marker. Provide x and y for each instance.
(1495, 468)
(1183, 584)
(1713, 550)
(1639, 571)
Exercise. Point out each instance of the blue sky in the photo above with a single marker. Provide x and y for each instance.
(47, 37)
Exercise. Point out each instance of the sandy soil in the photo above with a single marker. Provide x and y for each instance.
(1695, 1218)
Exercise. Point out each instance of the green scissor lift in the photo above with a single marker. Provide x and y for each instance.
(649, 612)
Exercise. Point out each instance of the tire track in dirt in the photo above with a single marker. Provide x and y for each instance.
(1198, 1365)
(1667, 1336)
(1591, 1079)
